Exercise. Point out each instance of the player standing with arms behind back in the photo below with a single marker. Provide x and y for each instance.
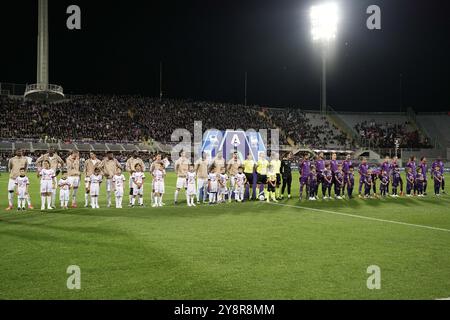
(201, 169)
(22, 183)
(56, 163)
(130, 167)
(118, 184)
(109, 167)
(89, 168)
(73, 171)
(181, 169)
(14, 166)
(47, 176)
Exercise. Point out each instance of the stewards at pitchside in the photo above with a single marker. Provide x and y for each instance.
(218, 180)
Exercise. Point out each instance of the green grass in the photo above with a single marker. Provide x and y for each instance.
(233, 251)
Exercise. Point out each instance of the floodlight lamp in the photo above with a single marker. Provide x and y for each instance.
(324, 21)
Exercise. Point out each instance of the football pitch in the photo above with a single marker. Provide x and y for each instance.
(254, 250)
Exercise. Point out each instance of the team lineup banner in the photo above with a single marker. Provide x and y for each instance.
(230, 141)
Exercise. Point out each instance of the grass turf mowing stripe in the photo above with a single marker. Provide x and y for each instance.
(362, 217)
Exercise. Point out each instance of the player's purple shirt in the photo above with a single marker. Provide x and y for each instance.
(334, 165)
(410, 177)
(386, 166)
(413, 166)
(437, 176)
(395, 177)
(419, 179)
(320, 165)
(306, 168)
(328, 175)
(424, 169)
(439, 164)
(385, 178)
(363, 168)
(351, 179)
(346, 166)
(339, 175)
(313, 179)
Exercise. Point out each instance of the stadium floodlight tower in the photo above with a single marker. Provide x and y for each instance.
(42, 90)
(324, 24)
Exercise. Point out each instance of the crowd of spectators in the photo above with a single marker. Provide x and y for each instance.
(132, 119)
(307, 129)
(385, 135)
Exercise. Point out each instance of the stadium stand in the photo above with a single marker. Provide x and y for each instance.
(436, 126)
(134, 123)
(381, 130)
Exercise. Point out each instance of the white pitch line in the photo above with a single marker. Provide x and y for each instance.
(363, 217)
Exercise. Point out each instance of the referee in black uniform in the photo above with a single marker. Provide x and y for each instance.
(286, 173)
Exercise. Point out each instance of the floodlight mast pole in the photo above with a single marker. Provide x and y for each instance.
(323, 107)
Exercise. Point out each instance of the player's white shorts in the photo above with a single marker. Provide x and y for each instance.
(22, 193)
(239, 189)
(109, 184)
(213, 186)
(181, 183)
(118, 192)
(158, 187)
(46, 186)
(138, 191)
(191, 190)
(201, 183)
(74, 181)
(95, 190)
(87, 180)
(223, 190)
(11, 185)
(64, 195)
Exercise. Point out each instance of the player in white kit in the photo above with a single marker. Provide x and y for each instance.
(65, 185)
(47, 176)
(138, 178)
(158, 185)
(191, 191)
(239, 186)
(95, 181)
(212, 185)
(118, 183)
(223, 186)
(22, 184)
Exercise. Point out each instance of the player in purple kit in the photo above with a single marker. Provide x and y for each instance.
(439, 163)
(395, 182)
(410, 182)
(384, 184)
(350, 182)
(363, 173)
(419, 182)
(327, 182)
(338, 182)
(386, 166)
(346, 169)
(412, 165)
(395, 166)
(320, 167)
(368, 183)
(424, 170)
(312, 184)
(376, 174)
(334, 164)
(305, 170)
(437, 178)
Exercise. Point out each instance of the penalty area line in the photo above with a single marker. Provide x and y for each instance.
(362, 217)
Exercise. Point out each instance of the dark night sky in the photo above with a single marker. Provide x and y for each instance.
(206, 47)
